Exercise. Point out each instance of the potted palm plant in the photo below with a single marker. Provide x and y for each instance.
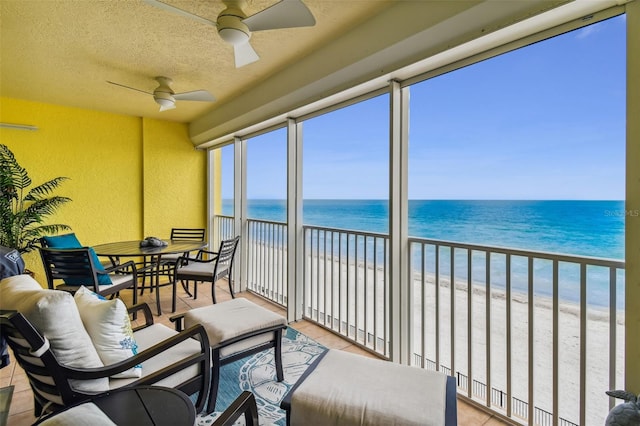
(23, 211)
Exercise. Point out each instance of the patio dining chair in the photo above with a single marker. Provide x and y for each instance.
(68, 269)
(199, 269)
(169, 260)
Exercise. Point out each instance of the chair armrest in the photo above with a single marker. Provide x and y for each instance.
(244, 404)
(185, 259)
(178, 321)
(148, 316)
(197, 332)
(125, 268)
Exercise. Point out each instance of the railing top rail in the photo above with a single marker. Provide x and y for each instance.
(346, 231)
(224, 216)
(270, 222)
(595, 261)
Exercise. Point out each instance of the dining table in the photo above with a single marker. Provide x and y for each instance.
(151, 263)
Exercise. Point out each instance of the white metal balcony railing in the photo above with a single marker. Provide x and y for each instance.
(536, 337)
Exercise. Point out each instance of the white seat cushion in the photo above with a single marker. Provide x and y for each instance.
(201, 269)
(152, 335)
(232, 318)
(115, 279)
(349, 389)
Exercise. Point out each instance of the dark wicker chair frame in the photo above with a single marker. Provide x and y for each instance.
(222, 267)
(33, 355)
(61, 264)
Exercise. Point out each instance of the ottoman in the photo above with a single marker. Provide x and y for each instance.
(236, 328)
(345, 389)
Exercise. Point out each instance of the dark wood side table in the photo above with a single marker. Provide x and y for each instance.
(144, 405)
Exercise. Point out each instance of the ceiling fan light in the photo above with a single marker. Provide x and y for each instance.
(233, 36)
(164, 99)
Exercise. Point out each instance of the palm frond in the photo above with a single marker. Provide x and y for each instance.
(44, 189)
(31, 236)
(43, 207)
(12, 175)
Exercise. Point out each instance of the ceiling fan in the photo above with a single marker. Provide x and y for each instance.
(235, 27)
(166, 97)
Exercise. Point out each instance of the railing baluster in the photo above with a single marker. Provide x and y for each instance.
(530, 359)
(470, 321)
(375, 294)
(436, 283)
(487, 284)
(613, 320)
(583, 342)
(508, 330)
(423, 308)
(452, 286)
(340, 283)
(556, 344)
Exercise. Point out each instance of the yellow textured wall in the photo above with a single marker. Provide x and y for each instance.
(174, 179)
(111, 163)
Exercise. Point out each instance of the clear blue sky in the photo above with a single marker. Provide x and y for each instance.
(544, 122)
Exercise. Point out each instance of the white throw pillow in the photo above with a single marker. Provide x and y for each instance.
(54, 314)
(108, 324)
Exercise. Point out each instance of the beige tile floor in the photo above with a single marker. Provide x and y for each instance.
(21, 411)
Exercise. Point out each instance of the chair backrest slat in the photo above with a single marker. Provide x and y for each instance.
(224, 261)
(61, 264)
(188, 234)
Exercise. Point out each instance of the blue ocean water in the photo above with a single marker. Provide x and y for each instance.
(582, 228)
(585, 228)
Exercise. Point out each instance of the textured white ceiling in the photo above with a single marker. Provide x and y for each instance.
(64, 51)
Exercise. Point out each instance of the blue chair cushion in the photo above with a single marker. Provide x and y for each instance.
(70, 241)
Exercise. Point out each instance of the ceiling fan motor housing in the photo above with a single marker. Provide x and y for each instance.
(164, 99)
(231, 28)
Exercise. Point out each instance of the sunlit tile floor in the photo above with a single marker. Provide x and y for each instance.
(21, 411)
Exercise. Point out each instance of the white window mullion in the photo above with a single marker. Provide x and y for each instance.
(240, 207)
(295, 237)
(398, 228)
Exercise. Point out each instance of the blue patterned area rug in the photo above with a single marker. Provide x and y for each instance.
(257, 374)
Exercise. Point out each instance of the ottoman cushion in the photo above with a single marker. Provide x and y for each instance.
(349, 389)
(226, 320)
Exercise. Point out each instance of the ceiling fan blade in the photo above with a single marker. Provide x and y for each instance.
(128, 87)
(196, 95)
(285, 14)
(173, 9)
(244, 54)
